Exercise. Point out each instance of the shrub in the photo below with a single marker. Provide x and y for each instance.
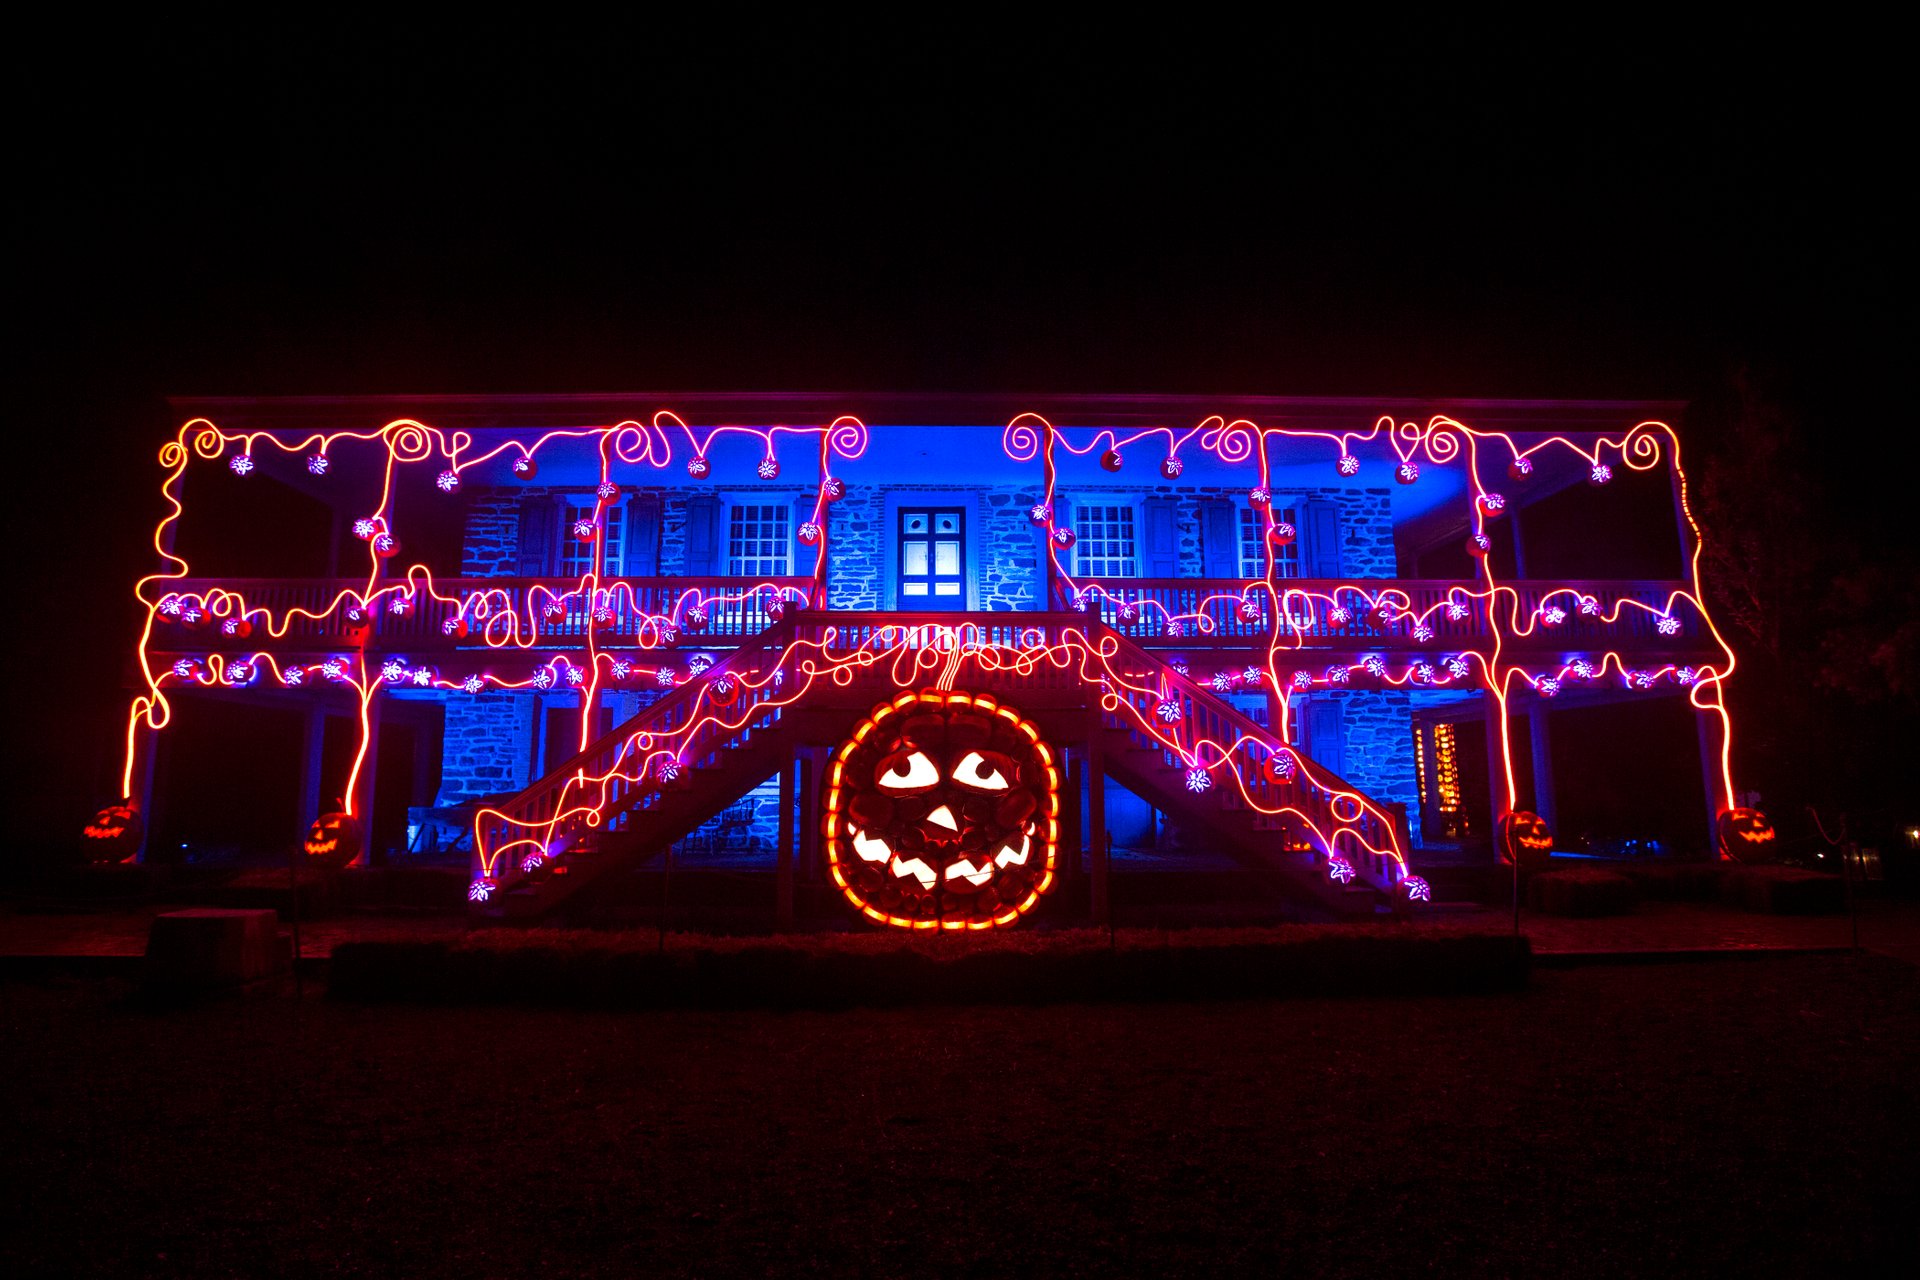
(1586, 891)
(1777, 890)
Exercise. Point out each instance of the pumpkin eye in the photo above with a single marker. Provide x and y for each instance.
(980, 773)
(908, 773)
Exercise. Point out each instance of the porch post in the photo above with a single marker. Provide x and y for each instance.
(1704, 724)
(312, 753)
(783, 850)
(810, 761)
(1542, 746)
(365, 792)
(1496, 765)
(1097, 824)
(146, 751)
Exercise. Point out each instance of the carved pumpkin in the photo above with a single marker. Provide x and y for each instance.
(942, 811)
(1524, 839)
(333, 840)
(114, 834)
(525, 467)
(1110, 460)
(698, 467)
(1745, 835)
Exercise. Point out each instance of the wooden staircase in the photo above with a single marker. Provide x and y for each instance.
(614, 805)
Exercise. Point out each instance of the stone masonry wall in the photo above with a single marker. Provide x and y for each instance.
(488, 748)
(1378, 725)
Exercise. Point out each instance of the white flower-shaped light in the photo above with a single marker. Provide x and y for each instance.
(1340, 869)
(1455, 610)
(448, 481)
(768, 469)
(318, 464)
(365, 528)
(1553, 615)
(1421, 631)
(473, 684)
(1458, 668)
(241, 464)
(1418, 890)
(1347, 465)
(1338, 675)
(393, 670)
(1547, 686)
(1198, 779)
(1668, 626)
(1223, 682)
(1168, 710)
(1303, 679)
(293, 677)
(481, 889)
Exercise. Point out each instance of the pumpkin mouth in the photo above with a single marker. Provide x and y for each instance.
(961, 876)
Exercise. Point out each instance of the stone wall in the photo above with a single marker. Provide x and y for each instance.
(489, 745)
(492, 544)
(1378, 725)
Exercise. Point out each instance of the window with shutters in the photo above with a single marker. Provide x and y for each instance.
(575, 555)
(1286, 560)
(758, 541)
(1104, 545)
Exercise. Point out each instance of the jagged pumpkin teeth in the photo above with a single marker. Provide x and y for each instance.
(917, 869)
(870, 850)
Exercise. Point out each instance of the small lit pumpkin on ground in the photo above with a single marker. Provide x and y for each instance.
(333, 840)
(115, 833)
(1525, 839)
(942, 811)
(1746, 835)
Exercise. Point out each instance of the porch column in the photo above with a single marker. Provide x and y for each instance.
(1097, 824)
(810, 763)
(783, 850)
(364, 793)
(1542, 746)
(1496, 764)
(313, 745)
(1706, 728)
(146, 751)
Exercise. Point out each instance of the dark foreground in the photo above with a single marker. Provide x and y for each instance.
(1752, 1116)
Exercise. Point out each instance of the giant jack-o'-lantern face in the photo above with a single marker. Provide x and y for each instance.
(942, 812)
(1745, 835)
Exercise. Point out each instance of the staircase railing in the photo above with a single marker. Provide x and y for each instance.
(610, 777)
(1312, 799)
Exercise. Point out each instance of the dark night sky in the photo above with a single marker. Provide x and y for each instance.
(643, 208)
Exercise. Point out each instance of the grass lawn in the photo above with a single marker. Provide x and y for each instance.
(1753, 1116)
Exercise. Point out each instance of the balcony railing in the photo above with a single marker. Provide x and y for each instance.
(316, 614)
(1210, 613)
(320, 613)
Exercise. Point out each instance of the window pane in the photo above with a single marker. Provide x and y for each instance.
(757, 540)
(916, 524)
(942, 589)
(1103, 541)
(946, 558)
(913, 588)
(946, 524)
(913, 558)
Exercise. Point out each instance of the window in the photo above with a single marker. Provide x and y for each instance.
(1286, 560)
(576, 556)
(1103, 541)
(758, 544)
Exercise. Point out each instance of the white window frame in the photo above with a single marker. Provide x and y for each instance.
(1081, 554)
(769, 547)
(1250, 531)
(571, 554)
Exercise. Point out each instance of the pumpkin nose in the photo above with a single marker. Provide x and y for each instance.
(940, 826)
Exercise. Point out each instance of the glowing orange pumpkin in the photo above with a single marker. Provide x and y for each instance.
(1524, 839)
(942, 811)
(333, 840)
(1745, 835)
(114, 834)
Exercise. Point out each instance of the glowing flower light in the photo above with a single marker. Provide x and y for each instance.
(809, 534)
(1223, 682)
(1198, 779)
(1168, 710)
(1339, 616)
(1589, 606)
(698, 467)
(532, 862)
(453, 626)
(448, 481)
(481, 889)
(1347, 465)
(1110, 460)
(240, 673)
(1375, 667)
(1176, 628)
(185, 667)
(543, 678)
(607, 491)
(1171, 466)
(1686, 675)
(664, 677)
(1252, 675)
(1668, 626)
(1063, 537)
(1456, 610)
(1492, 503)
(769, 468)
(834, 488)
(1407, 472)
(1458, 668)
(1479, 544)
(1423, 671)
(1129, 613)
(620, 669)
(1600, 473)
(575, 676)
(385, 544)
(1553, 615)
(1338, 675)
(1282, 534)
(1418, 890)
(1520, 468)
(422, 677)
(1040, 513)
(318, 464)
(241, 464)
(585, 529)
(1340, 869)
(1179, 664)
(1259, 495)
(1582, 668)
(1547, 686)
(1421, 631)
(667, 770)
(293, 677)
(1303, 679)
(1249, 611)
(473, 684)
(393, 670)
(525, 467)
(699, 662)
(365, 528)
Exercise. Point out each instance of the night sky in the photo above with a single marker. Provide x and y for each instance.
(1430, 213)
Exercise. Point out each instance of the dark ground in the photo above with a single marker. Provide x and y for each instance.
(1739, 1116)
